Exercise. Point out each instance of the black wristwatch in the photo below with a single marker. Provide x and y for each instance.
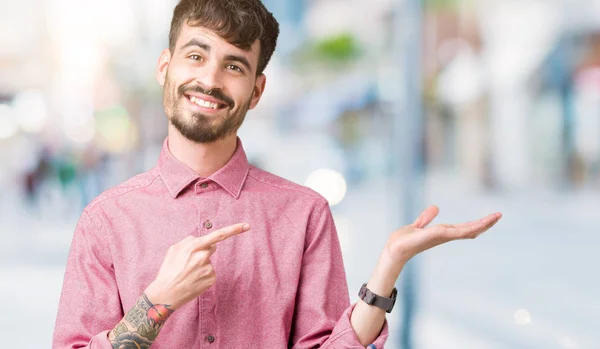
(371, 298)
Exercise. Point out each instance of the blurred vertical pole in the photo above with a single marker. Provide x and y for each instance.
(568, 137)
(408, 143)
(561, 77)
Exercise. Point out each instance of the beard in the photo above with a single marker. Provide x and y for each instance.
(197, 127)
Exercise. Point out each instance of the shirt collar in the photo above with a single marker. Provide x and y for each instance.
(177, 176)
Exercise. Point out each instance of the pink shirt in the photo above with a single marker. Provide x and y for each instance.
(282, 284)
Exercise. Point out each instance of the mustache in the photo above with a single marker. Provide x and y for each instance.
(216, 93)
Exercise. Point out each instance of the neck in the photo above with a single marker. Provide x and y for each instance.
(203, 158)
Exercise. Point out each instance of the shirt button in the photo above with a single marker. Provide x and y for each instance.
(210, 338)
(207, 225)
(204, 185)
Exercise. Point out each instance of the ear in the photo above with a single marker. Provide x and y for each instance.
(259, 88)
(162, 66)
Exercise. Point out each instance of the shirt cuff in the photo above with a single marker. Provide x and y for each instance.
(343, 335)
(100, 341)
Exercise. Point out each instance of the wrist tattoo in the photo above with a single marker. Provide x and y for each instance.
(147, 319)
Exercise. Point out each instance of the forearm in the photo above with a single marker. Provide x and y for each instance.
(141, 325)
(367, 321)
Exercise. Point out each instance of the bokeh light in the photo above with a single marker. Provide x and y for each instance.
(8, 124)
(329, 183)
(32, 111)
(81, 132)
(522, 317)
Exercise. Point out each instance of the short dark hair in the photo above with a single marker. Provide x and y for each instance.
(240, 22)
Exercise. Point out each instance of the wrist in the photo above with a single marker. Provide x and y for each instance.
(383, 279)
(157, 295)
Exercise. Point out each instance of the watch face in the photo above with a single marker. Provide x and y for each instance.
(393, 297)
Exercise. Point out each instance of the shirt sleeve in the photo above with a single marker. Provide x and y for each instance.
(89, 303)
(323, 310)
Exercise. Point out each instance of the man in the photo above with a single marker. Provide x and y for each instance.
(206, 251)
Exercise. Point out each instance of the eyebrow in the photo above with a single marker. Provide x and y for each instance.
(234, 58)
(196, 42)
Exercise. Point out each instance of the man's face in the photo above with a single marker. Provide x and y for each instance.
(208, 84)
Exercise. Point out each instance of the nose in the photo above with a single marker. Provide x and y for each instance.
(210, 76)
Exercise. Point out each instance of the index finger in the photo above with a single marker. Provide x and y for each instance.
(222, 234)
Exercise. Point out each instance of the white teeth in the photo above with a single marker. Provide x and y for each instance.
(204, 103)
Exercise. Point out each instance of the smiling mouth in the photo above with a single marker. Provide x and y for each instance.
(206, 104)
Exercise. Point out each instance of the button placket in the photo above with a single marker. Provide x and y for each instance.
(208, 209)
(209, 321)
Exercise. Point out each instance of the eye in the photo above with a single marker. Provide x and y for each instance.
(195, 57)
(235, 67)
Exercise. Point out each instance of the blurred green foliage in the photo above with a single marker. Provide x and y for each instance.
(341, 47)
(442, 4)
(334, 51)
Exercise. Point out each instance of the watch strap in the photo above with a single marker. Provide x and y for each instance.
(371, 298)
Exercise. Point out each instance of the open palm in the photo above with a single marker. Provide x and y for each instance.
(415, 238)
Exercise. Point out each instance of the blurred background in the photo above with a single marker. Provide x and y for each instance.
(383, 106)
